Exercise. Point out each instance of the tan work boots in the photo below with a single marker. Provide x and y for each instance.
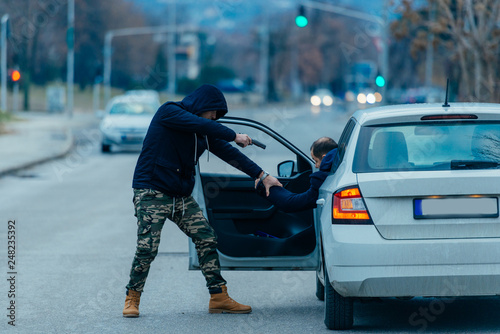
(219, 303)
(131, 309)
(222, 303)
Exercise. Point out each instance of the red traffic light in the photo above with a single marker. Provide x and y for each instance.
(15, 75)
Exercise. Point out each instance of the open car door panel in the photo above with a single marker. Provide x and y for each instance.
(252, 233)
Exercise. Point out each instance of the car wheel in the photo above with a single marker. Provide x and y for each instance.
(338, 309)
(105, 148)
(320, 289)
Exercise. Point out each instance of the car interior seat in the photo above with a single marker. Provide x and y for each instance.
(389, 151)
(485, 143)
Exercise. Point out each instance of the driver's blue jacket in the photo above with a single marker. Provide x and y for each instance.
(288, 201)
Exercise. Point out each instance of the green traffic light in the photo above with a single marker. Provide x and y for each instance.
(380, 81)
(301, 21)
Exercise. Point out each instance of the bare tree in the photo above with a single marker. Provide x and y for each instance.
(469, 32)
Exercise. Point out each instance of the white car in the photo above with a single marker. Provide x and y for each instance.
(410, 209)
(145, 93)
(126, 121)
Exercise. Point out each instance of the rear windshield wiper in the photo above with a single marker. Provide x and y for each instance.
(473, 164)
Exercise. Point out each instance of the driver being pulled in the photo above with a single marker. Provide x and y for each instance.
(324, 154)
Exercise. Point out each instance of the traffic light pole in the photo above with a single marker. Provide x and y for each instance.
(15, 96)
(3, 62)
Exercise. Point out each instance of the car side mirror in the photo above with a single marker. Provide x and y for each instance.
(285, 168)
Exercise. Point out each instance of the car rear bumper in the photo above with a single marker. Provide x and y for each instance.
(361, 263)
(124, 140)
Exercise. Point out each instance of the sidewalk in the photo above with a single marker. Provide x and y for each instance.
(37, 137)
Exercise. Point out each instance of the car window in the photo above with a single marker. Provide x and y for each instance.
(132, 108)
(425, 146)
(343, 141)
(267, 159)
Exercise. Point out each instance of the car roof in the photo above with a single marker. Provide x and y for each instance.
(142, 92)
(404, 113)
(132, 98)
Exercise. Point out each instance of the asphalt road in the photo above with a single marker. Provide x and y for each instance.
(75, 234)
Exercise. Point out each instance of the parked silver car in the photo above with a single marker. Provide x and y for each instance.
(126, 121)
(410, 209)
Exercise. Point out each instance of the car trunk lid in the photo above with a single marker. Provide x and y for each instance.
(441, 204)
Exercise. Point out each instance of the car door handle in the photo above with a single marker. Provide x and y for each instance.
(320, 202)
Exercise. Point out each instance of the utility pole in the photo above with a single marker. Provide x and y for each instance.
(107, 65)
(264, 58)
(172, 82)
(70, 41)
(5, 19)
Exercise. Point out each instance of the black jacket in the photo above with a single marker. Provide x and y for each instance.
(291, 202)
(177, 137)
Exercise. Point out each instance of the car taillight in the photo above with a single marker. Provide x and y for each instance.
(349, 207)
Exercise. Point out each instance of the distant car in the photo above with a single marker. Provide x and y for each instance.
(232, 86)
(430, 94)
(322, 97)
(410, 208)
(145, 93)
(126, 121)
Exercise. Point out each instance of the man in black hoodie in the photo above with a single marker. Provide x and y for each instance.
(163, 181)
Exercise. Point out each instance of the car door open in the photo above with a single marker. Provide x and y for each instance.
(252, 233)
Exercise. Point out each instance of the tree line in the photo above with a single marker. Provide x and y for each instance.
(464, 35)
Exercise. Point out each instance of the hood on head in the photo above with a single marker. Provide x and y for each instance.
(206, 98)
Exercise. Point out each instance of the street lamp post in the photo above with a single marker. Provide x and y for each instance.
(3, 65)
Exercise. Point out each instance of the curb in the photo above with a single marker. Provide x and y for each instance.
(69, 147)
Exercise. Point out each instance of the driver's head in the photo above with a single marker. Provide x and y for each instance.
(320, 148)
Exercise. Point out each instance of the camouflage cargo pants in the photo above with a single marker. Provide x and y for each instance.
(152, 208)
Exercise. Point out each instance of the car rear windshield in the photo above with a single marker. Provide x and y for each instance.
(133, 108)
(428, 146)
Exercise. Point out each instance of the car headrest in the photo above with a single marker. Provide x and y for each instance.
(389, 150)
(485, 143)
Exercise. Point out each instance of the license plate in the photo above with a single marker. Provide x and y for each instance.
(455, 207)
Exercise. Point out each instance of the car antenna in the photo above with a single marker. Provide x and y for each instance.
(446, 105)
